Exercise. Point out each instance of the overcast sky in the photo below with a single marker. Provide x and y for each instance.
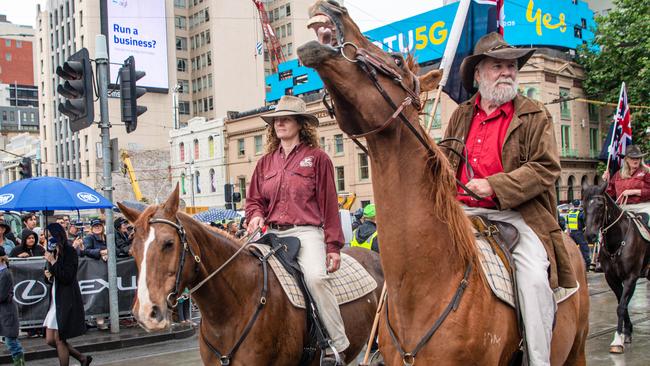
(368, 14)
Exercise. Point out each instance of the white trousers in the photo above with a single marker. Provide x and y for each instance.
(311, 259)
(535, 294)
(643, 207)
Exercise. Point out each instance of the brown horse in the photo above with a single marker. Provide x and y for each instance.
(229, 299)
(425, 256)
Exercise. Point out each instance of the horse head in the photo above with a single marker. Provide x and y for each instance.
(594, 203)
(358, 104)
(158, 250)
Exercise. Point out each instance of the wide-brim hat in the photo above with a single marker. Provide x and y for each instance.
(291, 106)
(491, 45)
(634, 152)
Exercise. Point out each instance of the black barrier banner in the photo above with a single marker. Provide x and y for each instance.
(31, 291)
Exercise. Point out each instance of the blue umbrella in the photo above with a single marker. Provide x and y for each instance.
(50, 193)
(216, 215)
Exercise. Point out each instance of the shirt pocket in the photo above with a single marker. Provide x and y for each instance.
(302, 185)
(270, 183)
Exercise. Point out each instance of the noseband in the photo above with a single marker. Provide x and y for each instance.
(172, 297)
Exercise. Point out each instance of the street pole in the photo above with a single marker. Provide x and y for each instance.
(192, 177)
(101, 59)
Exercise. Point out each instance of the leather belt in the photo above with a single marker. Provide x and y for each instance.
(282, 227)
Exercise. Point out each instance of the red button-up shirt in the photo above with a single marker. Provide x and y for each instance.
(640, 179)
(484, 143)
(297, 189)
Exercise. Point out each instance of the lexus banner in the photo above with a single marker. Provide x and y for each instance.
(31, 290)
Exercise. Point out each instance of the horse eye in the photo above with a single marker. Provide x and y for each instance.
(399, 62)
(168, 244)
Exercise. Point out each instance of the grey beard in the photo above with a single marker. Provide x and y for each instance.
(494, 94)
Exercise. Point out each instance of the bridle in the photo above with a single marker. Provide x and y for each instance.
(606, 199)
(173, 298)
(372, 66)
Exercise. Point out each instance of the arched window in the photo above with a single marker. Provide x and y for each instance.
(213, 186)
(211, 147)
(196, 149)
(569, 189)
(181, 151)
(183, 183)
(197, 175)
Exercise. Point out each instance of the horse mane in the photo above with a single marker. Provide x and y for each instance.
(412, 63)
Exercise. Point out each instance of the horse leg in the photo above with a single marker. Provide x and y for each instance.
(630, 286)
(617, 287)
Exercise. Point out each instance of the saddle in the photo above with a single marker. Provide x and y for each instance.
(286, 251)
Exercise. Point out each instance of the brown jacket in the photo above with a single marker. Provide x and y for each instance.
(531, 166)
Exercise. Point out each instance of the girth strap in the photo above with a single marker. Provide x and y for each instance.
(409, 357)
(225, 359)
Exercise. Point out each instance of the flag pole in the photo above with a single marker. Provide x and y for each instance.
(618, 112)
(450, 52)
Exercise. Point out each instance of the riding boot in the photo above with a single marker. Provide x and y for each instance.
(330, 360)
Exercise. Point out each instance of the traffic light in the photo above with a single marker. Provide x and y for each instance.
(79, 105)
(25, 168)
(129, 94)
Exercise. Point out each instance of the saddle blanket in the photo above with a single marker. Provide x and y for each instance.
(350, 282)
(499, 279)
(643, 230)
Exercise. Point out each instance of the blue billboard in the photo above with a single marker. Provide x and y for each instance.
(564, 24)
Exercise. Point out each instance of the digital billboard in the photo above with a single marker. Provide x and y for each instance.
(138, 29)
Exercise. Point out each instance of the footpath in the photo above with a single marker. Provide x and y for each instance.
(100, 340)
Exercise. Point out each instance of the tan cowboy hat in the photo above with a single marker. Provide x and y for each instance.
(633, 152)
(491, 45)
(291, 106)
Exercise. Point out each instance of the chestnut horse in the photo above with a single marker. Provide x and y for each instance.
(426, 252)
(228, 300)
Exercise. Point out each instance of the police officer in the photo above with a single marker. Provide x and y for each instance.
(576, 225)
(365, 236)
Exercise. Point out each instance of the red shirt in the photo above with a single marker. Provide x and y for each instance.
(484, 143)
(298, 190)
(640, 179)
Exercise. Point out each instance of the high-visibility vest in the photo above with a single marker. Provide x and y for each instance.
(572, 219)
(365, 244)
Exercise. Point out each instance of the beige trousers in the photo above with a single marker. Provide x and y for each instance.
(535, 294)
(311, 259)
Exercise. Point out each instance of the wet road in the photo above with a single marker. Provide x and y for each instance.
(602, 326)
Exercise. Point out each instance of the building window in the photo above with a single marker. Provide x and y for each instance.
(530, 91)
(87, 168)
(340, 179)
(181, 64)
(242, 187)
(213, 186)
(211, 103)
(289, 48)
(594, 114)
(363, 167)
(181, 151)
(183, 191)
(241, 149)
(19, 44)
(180, 4)
(594, 149)
(7, 42)
(288, 25)
(184, 108)
(8, 56)
(181, 43)
(197, 175)
(258, 144)
(185, 86)
(566, 141)
(338, 142)
(209, 57)
(196, 149)
(322, 142)
(565, 107)
(180, 22)
(288, 10)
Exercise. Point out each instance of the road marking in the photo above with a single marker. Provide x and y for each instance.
(152, 355)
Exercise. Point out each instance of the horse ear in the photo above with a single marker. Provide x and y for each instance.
(603, 186)
(585, 185)
(130, 213)
(430, 80)
(171, 205)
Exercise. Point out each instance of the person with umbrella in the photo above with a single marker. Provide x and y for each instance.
(7, 244)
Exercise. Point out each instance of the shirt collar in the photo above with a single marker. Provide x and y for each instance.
(506, 109)
(295, 149)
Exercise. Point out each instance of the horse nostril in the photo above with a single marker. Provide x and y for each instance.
(156, 313)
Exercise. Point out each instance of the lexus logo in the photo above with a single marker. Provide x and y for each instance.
(29, 292)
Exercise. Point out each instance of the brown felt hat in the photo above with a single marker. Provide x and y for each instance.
(491, 45)
(633, 152)
(291, 106)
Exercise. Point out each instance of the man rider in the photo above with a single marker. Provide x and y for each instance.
(513, 154)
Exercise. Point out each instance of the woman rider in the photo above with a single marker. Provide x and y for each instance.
(631, 184)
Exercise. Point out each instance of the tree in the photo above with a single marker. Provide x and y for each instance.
(620, 51)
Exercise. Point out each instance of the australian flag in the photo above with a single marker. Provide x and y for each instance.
(483, 17)
(619, 136)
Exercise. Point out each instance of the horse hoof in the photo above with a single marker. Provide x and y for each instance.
(616, 349)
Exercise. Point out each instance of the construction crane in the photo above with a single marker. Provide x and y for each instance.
(270, 40)
(127, 168)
